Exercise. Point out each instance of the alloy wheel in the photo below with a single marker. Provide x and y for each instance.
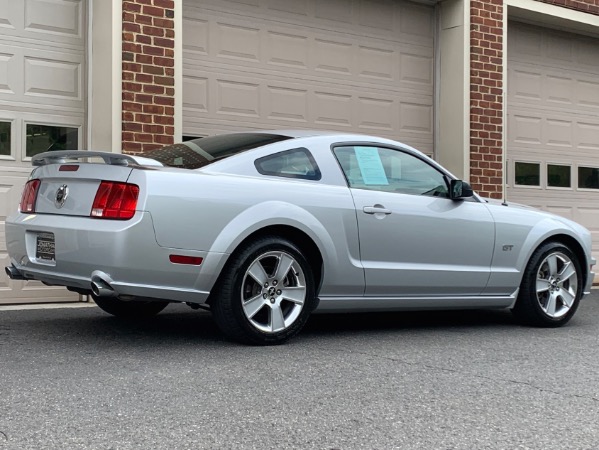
(273, 291)
(556, 284)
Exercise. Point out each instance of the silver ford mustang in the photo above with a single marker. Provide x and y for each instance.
(263, 228)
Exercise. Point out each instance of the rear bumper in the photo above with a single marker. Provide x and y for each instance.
(126, 251)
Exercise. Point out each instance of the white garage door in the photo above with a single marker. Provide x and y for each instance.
(352, 65)
(553, 123)
(42, 106)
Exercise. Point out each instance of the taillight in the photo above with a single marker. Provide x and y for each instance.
(29, 196)
(115, 201)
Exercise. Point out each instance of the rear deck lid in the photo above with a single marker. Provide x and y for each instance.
(68, 186)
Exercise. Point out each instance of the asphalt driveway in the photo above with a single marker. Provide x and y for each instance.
(75, 378)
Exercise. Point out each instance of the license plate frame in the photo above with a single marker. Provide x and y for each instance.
(45, 247)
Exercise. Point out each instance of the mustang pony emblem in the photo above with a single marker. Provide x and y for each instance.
(61, 196)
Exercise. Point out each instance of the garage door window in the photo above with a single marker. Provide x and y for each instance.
(45, 138)
(588, 177)
(5, 138)
(528, 174)
(558, 176)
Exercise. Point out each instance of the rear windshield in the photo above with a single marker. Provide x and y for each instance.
(203, 151)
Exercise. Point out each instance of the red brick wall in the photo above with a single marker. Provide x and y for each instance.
(148, 74)
(486, 97)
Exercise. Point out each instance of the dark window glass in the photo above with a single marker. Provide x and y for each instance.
(558, 176)
(528, 174)
(45, 138)
(189, 138)
(200, 152)
(295, 163)
(384, 169)
(588, 177)
(5, 138)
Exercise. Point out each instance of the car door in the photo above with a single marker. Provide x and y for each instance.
(415, 240)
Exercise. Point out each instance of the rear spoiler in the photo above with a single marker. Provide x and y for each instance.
(114, 159)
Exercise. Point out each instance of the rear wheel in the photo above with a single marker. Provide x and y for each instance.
(134, 309)
(551, 287)
(265, 294)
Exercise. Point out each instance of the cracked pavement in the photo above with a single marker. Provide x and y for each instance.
(80, 379)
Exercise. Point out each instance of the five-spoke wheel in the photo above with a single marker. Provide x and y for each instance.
(266, 292)
(551, 286)
(273, 291)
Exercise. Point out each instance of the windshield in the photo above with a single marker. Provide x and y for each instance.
(203, 151)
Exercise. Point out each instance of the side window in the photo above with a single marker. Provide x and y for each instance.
(384, 169)
(295, 163)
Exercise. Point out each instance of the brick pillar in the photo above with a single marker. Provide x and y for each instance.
(486, 97)
(148, 74)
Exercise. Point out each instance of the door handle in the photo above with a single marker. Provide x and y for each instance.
(376, 209)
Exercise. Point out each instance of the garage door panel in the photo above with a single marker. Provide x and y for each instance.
(551, 48)
(551, 89)
(272, 102)
(301, 52)
(544, 130)
(54, 21)
(392, 20)
(312, 64)
(41, 77)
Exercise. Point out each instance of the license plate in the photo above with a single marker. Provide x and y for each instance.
(45, 247)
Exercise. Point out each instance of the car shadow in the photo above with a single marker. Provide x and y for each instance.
(178, 326)
(322, 324)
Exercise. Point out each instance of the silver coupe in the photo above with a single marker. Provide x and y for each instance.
(264, 228)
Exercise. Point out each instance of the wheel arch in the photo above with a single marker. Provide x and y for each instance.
(282, 219)
(573, 244)
(297, 237)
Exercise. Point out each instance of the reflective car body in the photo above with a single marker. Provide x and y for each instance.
(374, 239)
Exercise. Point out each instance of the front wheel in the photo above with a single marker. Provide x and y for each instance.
(265, 294)
(134, 309)
(551, 287)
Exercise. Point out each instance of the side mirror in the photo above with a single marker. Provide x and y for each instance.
(459, 189)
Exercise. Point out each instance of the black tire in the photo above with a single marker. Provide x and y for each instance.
(556, 299)
(134, 309)
(259, 321)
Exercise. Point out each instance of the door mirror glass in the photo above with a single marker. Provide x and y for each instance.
(459, 189)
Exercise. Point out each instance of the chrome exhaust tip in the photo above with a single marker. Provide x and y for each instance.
(13, 273)
(101, 285)
(102, 289)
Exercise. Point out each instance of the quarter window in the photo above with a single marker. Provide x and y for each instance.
(295, 163)
(527, 174)
(5, 138)
(384, 169)
(45, 138)
(588, 177)
(558, 176)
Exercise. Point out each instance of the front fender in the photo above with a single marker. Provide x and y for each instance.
(518, 235)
